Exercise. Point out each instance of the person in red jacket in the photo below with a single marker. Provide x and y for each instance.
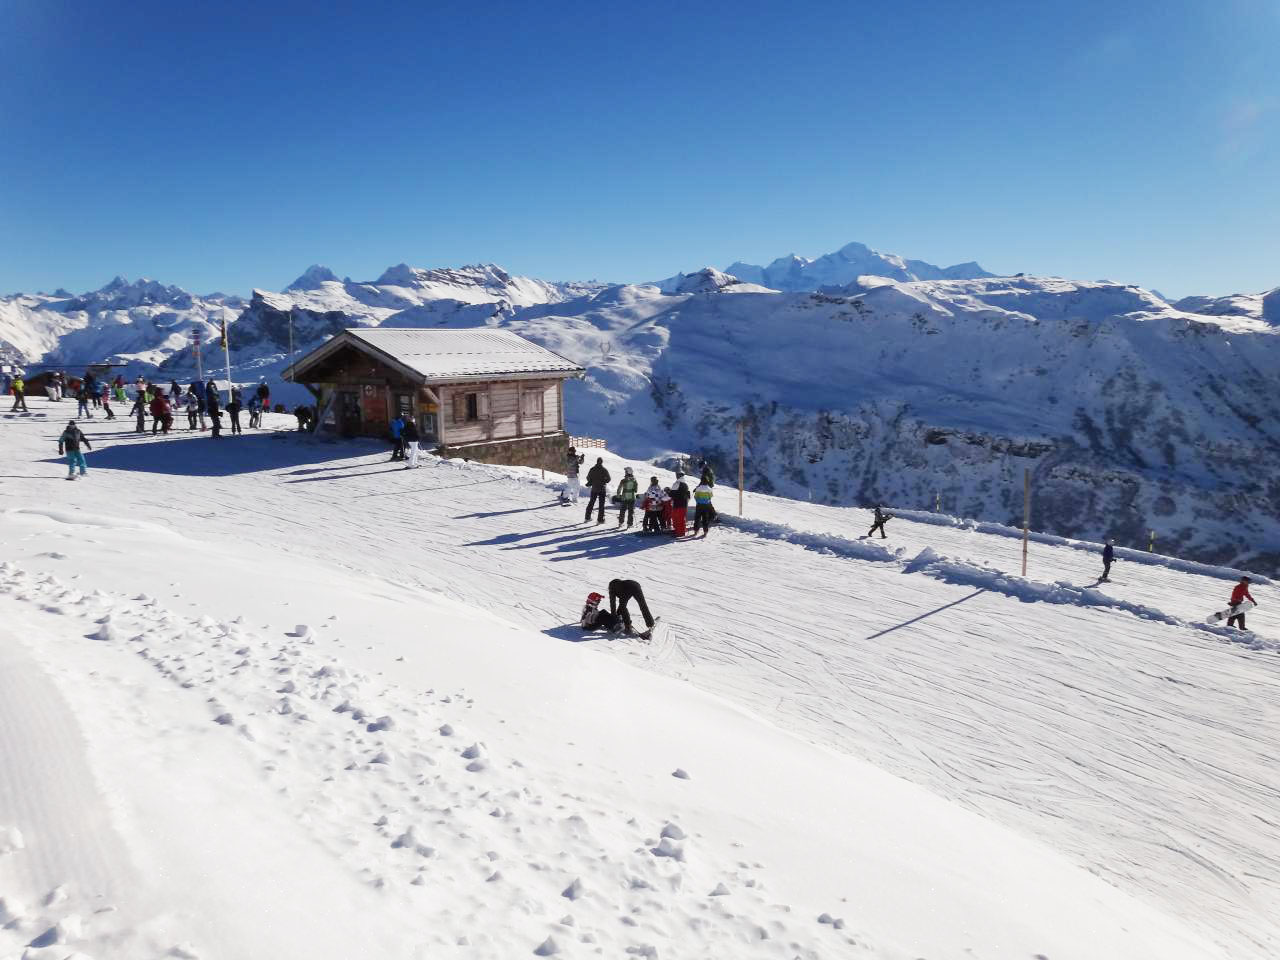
(1238, 596)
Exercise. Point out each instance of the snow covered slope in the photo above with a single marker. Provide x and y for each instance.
(307, 705)
(851, 261)
(1135, 417)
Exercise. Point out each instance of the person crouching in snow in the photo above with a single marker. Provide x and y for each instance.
(69, 443)
(1238, 596)
(654, 498)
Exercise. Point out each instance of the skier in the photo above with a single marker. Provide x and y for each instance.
(212, 403)
(106, 402)
(679, 504)
(702, 510)
(1108, 558)
(626, 497)
(160, 417)
(197, 387)
(233, 409)
(621, 592)
(1238, 596)
(411, 438)
(598, 482)
(139, 409)
(255, 411)
(192, 403)
(263, 393)
(708, 475)
(397, 438)
(881, 518)
(82, 401)
(69, 443)
(573, 460)
(19, 395)
(60, 385)
(175, 392)
(651, 503)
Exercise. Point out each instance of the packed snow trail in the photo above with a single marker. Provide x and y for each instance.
(1142, 749)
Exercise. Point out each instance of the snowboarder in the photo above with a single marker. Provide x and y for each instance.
(652, 502)
(1108, 558)
(411, 437)
(881, 518)
(19, 395)
(598, 482)
(628, 488)
(680, 495)
(1238, 596)
(702, 510)
(573, 460)
(622, 592)
(397, 438)
(708, 475)
(69, 443)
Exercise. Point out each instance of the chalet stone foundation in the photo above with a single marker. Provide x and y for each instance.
(549, 452)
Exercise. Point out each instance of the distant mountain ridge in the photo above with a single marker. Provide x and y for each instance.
(794, 273)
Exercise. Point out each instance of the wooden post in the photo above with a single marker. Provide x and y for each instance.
(740, 445)
(1151, 544)
(1026, 516)
(542, 432)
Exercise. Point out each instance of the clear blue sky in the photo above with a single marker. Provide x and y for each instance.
(230, 145)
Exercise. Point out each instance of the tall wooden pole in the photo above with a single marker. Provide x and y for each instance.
(1026, 516)
(542, 432)
(740, 445)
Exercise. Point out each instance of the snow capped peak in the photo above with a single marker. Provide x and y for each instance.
(711, 280)
(844, 266)
(401, 275)
(313, 277)
(116, 283)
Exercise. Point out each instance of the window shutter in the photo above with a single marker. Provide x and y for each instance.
(482, 406)
(459, 408)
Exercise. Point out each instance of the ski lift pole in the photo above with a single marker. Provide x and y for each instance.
(1026, 516)
(740, 446)
(195, 338)
(226, 354)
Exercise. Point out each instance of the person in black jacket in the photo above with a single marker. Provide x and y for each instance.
(881, 518)
(1108, 558)
(621, 592)
(680, 494)
(214, 405)
(598, 480)
(410, 436)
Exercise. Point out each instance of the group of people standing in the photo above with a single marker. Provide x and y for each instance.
(663, 509)
(202, 403)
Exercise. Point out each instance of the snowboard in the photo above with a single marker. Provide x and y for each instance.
(1243, 607)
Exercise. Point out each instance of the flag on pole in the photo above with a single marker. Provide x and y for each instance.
(223, 342)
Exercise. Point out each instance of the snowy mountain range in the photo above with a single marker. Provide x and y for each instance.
(892, 383)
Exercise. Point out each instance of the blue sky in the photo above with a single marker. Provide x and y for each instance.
(227, 146)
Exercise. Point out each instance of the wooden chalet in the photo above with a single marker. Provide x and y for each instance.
(482, 393)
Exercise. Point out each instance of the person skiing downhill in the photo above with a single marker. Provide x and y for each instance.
(598, 482)
(626, 496)
(1108, 558)
(69, 443)
(881, 518)
(1238, 596)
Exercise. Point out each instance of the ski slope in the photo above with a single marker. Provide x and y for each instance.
(953, 761)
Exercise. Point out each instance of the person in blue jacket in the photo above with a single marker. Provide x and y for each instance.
(397, 438)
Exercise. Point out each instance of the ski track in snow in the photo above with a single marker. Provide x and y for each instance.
(1108, 726)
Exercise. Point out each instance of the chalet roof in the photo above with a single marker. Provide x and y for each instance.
(447, 356)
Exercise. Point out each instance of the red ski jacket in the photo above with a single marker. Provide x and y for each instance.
(1240, 594)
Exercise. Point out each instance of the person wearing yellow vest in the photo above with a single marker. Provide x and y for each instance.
(19, 395)
(702, 508)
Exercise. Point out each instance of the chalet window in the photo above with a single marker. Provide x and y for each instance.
(531, 403)
(470, 407)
